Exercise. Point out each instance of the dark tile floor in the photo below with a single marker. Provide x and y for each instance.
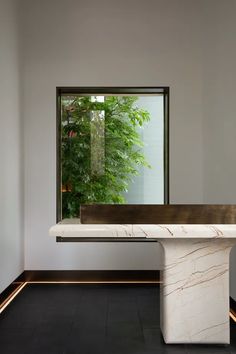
(90, 319)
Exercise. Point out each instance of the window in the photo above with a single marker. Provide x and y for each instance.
(112, 147)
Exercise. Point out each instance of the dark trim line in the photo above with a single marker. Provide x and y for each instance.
(111, 90)
(91, 275)
(58, 155)
(166, 145)
(104, 239)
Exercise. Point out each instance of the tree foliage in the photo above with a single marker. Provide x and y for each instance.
(101, 149)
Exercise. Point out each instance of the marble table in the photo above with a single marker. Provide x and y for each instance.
(195, 274)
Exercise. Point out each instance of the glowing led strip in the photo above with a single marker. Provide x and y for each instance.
(11, 297)
(16, 292)
(232, 316)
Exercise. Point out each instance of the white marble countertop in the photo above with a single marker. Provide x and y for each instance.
(73, 228)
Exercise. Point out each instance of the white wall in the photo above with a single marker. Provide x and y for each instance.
(188, 45)
(219, 109)
(106, 43)
(11, 181)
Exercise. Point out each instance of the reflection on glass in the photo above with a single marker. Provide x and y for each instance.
(97, 142)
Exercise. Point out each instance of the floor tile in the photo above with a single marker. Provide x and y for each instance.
(207, 349)
(15, 341)
(125, 330)
(90, 319)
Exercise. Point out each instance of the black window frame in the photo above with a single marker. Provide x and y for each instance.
(164, 90)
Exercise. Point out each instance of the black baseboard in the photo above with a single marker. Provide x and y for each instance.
(103, 276)
(132, 276)
(233, 306)
(9, 291)
(152, 276)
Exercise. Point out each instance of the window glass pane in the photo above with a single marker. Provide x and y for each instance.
(112, 150)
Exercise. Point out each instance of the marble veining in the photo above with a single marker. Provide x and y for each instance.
(73, 228)
(195, 290)
(195, 274)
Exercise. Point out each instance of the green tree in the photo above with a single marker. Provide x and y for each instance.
(101, 149)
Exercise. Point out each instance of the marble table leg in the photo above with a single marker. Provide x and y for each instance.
(195, 290)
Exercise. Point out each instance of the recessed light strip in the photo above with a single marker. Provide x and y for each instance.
(11, 297)
(232, 315)
(18, 290)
